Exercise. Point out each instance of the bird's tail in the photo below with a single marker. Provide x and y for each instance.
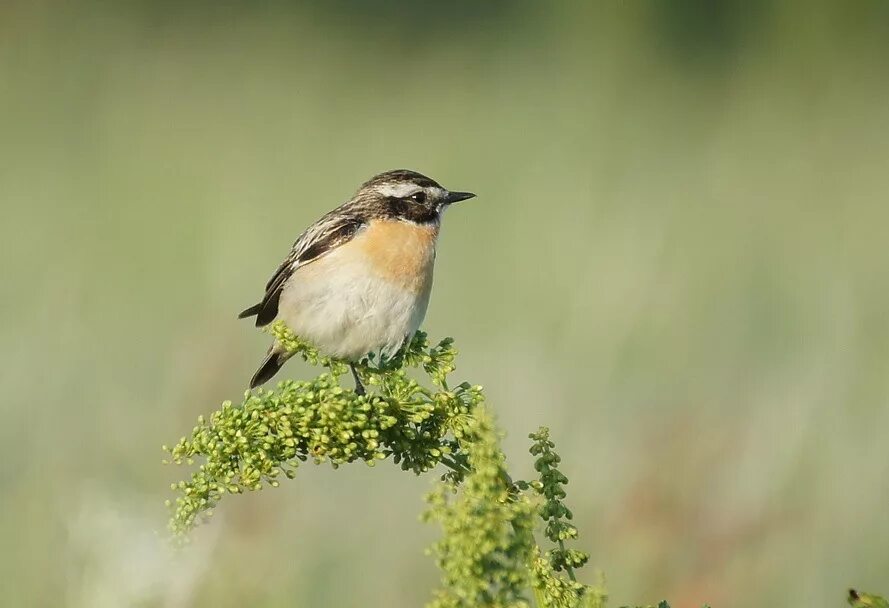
(270, 366)
(253, 310)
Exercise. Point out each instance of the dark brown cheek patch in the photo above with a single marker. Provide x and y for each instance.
(412, 211)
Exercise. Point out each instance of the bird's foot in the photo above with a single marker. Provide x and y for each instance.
(359, 387)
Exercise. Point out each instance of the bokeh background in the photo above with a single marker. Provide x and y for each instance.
(677, 260)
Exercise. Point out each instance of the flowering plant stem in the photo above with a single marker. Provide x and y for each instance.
(487, 554)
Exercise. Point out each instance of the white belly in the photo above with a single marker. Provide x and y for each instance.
(339, 304)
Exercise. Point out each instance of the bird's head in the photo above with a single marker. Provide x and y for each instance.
(407, 195)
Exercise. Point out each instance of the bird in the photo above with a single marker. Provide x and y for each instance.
(358, 280)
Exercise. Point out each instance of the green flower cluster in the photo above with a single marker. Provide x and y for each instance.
(554, 589)
(554, 512)
(487, 529)
(272, 432)
(488, 554)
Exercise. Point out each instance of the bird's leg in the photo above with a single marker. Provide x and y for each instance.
(359, 387)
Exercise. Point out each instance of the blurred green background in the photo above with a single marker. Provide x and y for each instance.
(677, 260)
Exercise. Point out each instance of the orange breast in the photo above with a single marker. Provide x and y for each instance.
(400, 252)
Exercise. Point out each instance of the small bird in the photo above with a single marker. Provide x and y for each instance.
(358, 280)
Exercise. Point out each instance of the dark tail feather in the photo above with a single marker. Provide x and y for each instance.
(265, 311)
(253, 310)
(270, 366)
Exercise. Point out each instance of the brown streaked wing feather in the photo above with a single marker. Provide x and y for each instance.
(326, 234)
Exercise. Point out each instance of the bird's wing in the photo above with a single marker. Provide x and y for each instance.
(322, 237)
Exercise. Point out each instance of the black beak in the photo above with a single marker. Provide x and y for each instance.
(456, 197)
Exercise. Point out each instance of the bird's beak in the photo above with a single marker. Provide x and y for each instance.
(456, 197)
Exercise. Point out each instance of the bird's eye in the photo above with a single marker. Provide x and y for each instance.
(418, 197)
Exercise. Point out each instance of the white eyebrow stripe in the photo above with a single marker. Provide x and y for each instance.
(399, 190)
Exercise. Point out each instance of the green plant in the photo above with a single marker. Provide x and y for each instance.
(858, 599)
(488, 553)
